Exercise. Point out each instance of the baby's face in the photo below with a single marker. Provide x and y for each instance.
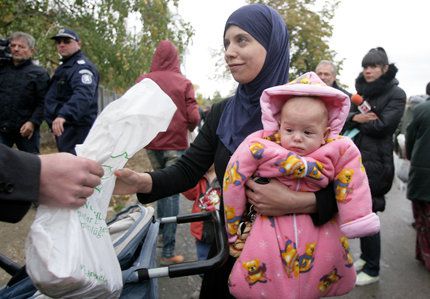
(303, 126)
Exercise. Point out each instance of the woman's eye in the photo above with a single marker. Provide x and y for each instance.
(226, 44)
(242, 40)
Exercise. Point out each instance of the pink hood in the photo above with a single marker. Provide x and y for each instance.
(309, 84)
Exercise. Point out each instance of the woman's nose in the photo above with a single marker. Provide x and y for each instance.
(230, 52)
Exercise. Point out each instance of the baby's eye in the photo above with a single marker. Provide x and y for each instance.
(288, 130)
(308, 133)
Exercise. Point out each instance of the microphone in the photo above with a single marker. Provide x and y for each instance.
(361, 104)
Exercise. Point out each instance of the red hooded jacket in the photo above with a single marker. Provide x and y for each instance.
(165, 71)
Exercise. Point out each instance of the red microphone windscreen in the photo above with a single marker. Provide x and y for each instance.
(357, 99)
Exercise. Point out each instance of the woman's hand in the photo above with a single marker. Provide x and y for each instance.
(276, 199)
(364, 118)
(129, 182)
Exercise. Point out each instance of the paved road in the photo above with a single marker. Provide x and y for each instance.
(401, 275)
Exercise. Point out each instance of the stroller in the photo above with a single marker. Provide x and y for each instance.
(134, 234)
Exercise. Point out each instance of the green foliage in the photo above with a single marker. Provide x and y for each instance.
(309, 25)
(122, 49)
(216, 97)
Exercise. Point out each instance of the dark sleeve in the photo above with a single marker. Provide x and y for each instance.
(193, 115)
(326, 205)
(411, 134)
(187, 171)
(389, 117)
(84, 83)
(349, 123)
(42, 82)
(19, 183)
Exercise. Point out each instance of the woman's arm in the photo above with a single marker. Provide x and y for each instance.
(275, 199)
(179, 177)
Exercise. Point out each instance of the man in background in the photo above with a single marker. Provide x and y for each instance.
(23, 86)
(326, 70)
(71, 102)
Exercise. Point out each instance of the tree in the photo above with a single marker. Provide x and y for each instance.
(118, 36)
(216, 97)
(310, 30)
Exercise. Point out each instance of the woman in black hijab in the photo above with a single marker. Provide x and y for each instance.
(256, 45)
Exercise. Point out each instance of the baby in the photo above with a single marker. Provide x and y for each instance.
(299, 145)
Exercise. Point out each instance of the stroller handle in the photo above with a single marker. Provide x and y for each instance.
(195, 267)
(8, 265)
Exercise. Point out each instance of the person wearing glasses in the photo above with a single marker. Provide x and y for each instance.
(71, 101)
(23, 86)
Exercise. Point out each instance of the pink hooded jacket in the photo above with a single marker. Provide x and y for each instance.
(279, 250)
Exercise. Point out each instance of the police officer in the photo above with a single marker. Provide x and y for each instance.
(23, 86)
(71, 101)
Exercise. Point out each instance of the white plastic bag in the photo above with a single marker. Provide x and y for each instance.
(69, 252)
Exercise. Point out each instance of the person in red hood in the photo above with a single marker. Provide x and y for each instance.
(168, 146)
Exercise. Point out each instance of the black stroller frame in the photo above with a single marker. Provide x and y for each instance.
(139, 276)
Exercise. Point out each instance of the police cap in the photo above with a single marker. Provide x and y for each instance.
(68, 33)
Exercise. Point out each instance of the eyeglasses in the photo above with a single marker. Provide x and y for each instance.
(65, 41)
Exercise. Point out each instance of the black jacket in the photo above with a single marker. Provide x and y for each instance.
(22, 89)
(335, 85)
(375, 140)
(417, 149)
(19, 183)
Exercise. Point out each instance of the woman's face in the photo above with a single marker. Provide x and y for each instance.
(244, 55)
(374, 72)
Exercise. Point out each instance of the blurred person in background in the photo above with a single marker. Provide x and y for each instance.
(167, 147)
(23, 86)
(71, 104)
(417, 150)
(378, 85)
(326, 70)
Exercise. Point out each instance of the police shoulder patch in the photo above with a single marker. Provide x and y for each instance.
(87, 78)
(85, 71)
(80, 61)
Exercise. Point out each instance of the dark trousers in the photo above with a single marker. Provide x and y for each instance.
(215, 282)
(23, 144)
(71, 136)
(167, 206)
(371, 253)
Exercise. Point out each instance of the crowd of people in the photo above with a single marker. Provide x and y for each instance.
(285, 132)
